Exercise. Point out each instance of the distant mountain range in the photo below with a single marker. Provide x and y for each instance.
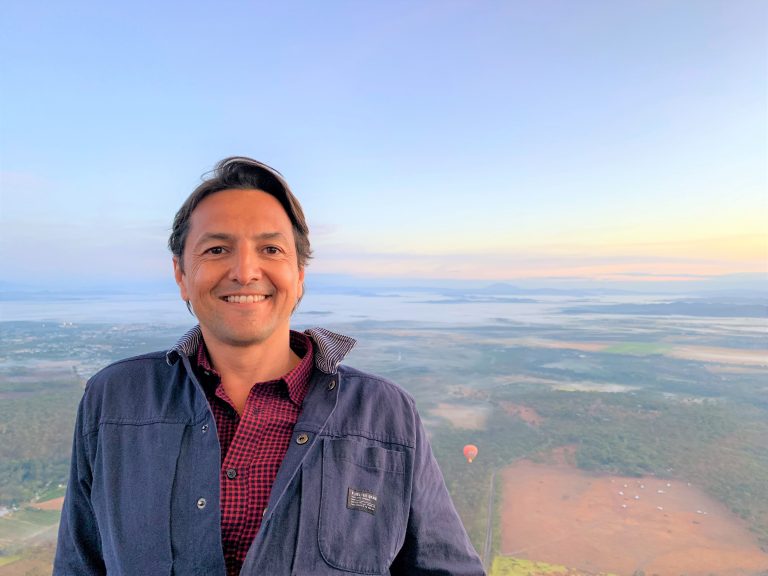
(716, 308)
(753, 286)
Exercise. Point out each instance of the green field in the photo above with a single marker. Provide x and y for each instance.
(56, 491)
(26, 522)
(508, 566)
(638, 348)
(5, 560)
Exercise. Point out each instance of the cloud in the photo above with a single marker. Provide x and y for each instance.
(520, 264)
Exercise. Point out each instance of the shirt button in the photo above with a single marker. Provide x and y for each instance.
(201, 503)
(205, 428)
(231, 473)
(264, 513)
(332, 385)
(302, 439)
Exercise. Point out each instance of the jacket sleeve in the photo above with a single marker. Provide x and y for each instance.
(435, 540)
(78, 552)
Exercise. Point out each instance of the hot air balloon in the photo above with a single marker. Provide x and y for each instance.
(470, 451)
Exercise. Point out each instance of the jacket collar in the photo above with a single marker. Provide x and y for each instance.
(330, 348)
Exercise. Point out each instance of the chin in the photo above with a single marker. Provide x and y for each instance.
(243, 341)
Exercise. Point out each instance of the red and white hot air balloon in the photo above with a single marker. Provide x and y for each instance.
(470, 452)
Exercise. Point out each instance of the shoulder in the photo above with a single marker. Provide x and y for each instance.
(136, 390)
(373, 385)
(375, 407)
(136, 367)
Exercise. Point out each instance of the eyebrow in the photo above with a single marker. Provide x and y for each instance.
(223, 236)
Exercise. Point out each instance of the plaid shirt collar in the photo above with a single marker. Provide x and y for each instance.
(295, 380)
(329, 348)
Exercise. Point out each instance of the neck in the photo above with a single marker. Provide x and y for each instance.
(242, 367)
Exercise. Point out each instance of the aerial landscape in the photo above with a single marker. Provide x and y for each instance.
(543, 219)
(612, 439)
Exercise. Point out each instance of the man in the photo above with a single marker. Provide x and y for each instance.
(247, 448)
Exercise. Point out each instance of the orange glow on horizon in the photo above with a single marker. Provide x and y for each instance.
(649, 261)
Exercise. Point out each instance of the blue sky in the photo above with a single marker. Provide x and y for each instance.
(606, 140)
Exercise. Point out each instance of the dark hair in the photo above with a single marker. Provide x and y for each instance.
(241, 173)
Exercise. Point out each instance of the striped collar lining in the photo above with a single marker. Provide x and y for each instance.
(330, 348)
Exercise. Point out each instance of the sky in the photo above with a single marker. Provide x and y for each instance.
(549, 140)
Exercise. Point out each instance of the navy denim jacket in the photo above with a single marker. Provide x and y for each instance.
(359, 491)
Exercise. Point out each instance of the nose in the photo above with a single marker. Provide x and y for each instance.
(246, 267)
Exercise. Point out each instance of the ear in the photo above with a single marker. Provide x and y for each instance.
(301, 283)
(178, 274)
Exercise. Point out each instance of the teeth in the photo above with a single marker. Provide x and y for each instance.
(250, 299)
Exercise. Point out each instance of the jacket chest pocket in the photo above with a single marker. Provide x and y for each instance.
(363, 506)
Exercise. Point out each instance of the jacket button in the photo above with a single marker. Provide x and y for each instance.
(205, 428)
(231, 473)
(332, 385)
(201, 503)
(302, 439)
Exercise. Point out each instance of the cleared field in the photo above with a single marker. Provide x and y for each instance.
(507, 566)
(52, 504)
(721, 355)
(555, 344)
(560, 515)
(33, 562)
(465, 417)
(27, 523)
(525, 413)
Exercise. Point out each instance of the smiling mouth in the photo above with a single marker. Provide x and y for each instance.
(250, 299)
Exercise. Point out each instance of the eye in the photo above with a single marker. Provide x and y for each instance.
(215, 250)
(272, 250)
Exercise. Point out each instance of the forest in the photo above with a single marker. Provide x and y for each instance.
(620, 393)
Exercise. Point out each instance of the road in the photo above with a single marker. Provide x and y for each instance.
(488, 548)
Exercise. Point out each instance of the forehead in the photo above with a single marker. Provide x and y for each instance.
(236, 208)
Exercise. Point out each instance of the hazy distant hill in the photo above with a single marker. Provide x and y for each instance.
(705, 308)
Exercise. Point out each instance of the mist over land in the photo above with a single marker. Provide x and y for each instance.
(745, 284)
(626, 384)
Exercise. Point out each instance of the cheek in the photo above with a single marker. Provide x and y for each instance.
(196, 280)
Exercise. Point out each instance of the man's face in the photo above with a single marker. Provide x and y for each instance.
(240, 270)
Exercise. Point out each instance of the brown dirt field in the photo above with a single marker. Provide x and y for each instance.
(558, 514)
(526, 414)
(562, 456)
(521, 379)
(37, 562)
(555, 344)
(466, 417)
(582, 346)
(721, 355)
(55, 504)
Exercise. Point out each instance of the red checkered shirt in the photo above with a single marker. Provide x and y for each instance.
(253, 444)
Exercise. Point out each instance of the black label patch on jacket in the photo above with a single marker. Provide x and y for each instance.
(362, 500)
